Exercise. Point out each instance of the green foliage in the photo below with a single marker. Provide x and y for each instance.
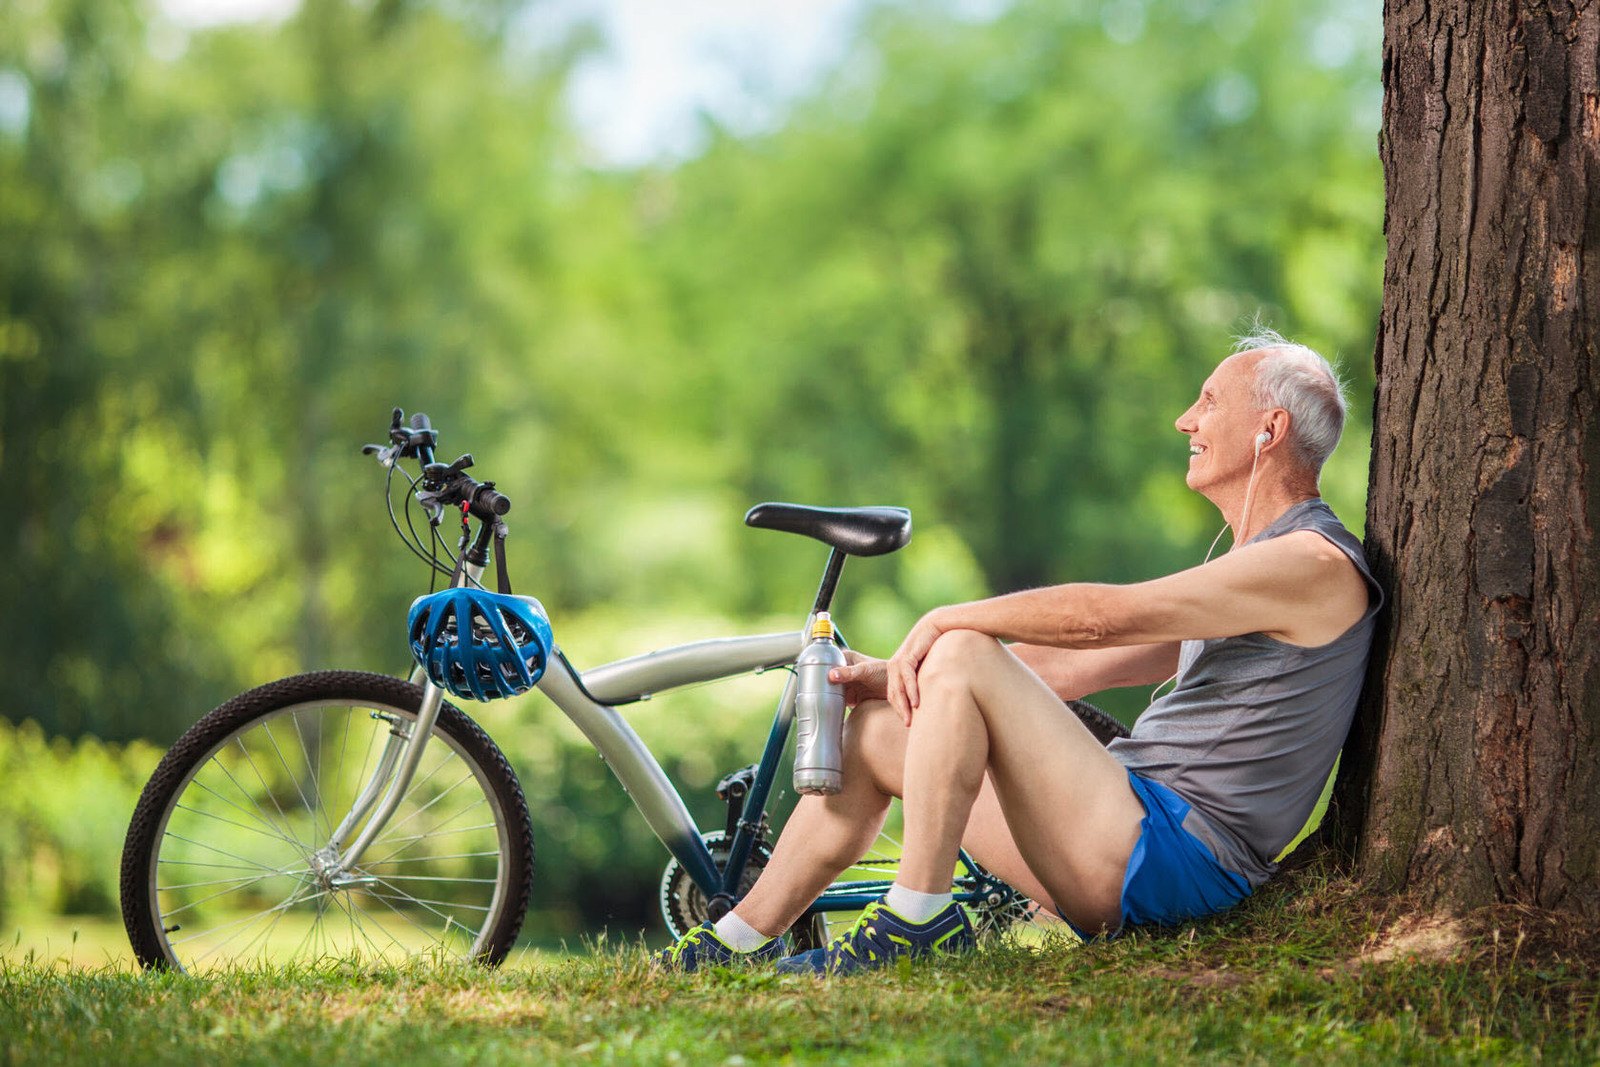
(63, 810)
(977, 272)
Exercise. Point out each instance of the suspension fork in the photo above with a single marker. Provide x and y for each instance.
(402, 753)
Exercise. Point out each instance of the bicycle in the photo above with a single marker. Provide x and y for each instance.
(259, 835)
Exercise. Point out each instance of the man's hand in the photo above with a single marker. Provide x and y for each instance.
(866, 678)
(903, 665)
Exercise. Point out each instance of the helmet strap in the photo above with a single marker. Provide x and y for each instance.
(500, 558)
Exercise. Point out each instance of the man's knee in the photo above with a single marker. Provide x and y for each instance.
(956, 658)
(870, 724)
(875, 742)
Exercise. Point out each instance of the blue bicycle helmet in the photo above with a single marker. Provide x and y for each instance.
(479, 644)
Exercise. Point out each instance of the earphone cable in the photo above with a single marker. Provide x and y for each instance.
(1244, 520)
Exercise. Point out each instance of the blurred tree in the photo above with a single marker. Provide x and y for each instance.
(85, 630)
(1038, 235)
(976, 272)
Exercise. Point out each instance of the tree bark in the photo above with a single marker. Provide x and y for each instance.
(1473, 774)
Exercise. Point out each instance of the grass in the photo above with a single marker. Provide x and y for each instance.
(1311, 970)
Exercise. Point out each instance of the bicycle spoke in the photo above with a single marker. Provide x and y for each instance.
(262, 779)
(372, 737)
(353, 910)
(306, 940)
(344, 743)
(449, 921)
(467, 778)
(425, 902)
(214, 881)
(445, 856)
(218, 866)
(221, 851)
(437, 767)
(214, 896)
(230, 822)
(414, 838)
(264, 937)
(282, 831)
(304, 803)
(293, 899)
(314, 769)
(261, 817)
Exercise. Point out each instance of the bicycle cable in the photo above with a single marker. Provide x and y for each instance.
(412, 543)
(429, 554)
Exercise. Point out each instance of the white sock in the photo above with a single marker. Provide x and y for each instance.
(739, 935)
(915, 907)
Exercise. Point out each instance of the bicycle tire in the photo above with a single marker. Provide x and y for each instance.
(1000, 912)
(186, 781)
(1104, 728)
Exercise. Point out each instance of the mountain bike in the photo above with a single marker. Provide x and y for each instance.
(345, 814)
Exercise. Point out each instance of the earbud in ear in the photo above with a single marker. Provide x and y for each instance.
(1264, 437)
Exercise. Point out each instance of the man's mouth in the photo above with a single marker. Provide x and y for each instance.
(1195, 450)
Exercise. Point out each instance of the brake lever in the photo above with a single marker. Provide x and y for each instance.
(385, 454)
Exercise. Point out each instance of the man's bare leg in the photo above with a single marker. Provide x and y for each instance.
(1066, 801)
(825, 835)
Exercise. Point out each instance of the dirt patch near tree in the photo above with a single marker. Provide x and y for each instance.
(1422, 937)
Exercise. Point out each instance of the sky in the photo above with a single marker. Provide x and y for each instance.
(639, 101)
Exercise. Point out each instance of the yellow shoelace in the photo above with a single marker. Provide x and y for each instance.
(867, 915)
(690, 938)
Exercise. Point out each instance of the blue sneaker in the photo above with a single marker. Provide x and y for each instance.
(701, 947)
(880, 936)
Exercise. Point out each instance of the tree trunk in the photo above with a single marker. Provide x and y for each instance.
(1476, 756)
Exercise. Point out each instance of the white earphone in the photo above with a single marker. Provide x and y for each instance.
(1263, 438)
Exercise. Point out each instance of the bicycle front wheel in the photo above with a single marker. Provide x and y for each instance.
(227, 857)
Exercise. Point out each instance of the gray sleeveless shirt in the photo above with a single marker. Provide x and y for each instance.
(1251, 731)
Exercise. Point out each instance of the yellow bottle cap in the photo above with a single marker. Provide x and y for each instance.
(822, 627)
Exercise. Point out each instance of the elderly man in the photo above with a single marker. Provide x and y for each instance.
(1268, 645)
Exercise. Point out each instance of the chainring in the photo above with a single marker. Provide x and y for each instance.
(683, 904)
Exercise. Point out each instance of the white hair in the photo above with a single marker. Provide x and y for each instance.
(1298, 380)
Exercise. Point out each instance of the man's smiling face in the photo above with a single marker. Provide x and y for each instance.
(1222, 424)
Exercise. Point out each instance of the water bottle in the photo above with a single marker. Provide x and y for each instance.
(819, 714)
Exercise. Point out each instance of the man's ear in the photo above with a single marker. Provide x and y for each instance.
(1277, 424)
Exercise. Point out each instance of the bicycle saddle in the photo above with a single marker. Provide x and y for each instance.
(853, 531)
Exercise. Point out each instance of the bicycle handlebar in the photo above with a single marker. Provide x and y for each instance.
(443, 484)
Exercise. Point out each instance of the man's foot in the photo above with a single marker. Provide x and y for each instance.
(701, 947)
(880, 936)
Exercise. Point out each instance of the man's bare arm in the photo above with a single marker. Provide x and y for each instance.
(1074, 673)
(1297, 588)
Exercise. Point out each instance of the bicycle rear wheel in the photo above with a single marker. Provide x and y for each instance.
(222, 866)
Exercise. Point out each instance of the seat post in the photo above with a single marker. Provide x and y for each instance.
(830, 581)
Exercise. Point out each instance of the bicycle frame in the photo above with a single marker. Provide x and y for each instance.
(589, 700)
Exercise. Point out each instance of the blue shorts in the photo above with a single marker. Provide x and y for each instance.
(1173, 876)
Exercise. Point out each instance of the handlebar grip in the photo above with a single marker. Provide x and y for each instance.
(419, 421)
(488, 502)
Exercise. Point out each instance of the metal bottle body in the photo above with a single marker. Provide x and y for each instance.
(819, 720)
